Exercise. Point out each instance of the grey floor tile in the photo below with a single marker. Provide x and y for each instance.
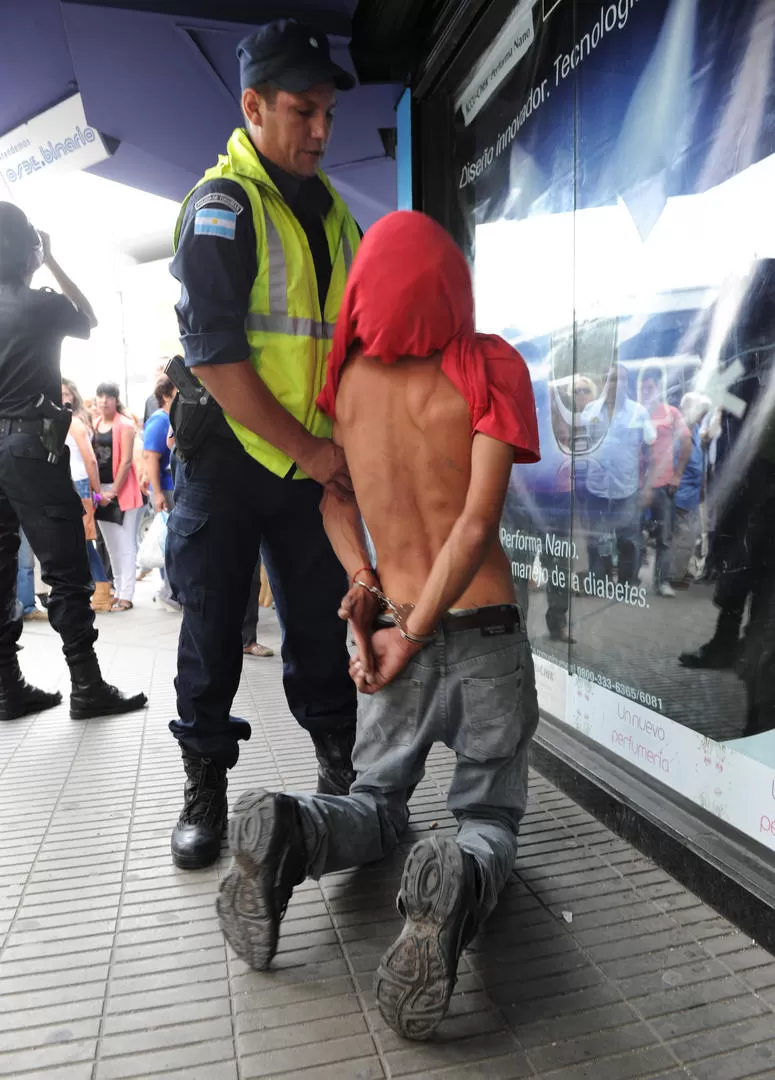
(297, 1058)
(639, 1063)
(112, 966)
(54, 1057)
(199, 1057)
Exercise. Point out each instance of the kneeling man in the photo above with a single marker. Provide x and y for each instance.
(431, 417)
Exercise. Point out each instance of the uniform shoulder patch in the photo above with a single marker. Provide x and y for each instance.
(219, 198)
(214, 221)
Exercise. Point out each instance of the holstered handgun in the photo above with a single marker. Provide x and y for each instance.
(195, 415)
(55, 426)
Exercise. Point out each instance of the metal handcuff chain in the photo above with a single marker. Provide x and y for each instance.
(400, 613)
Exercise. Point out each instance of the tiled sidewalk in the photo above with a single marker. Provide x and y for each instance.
(596, 964)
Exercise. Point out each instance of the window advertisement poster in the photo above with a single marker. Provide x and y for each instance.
(614, 165)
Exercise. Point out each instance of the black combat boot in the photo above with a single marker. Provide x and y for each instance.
(92, 696)
(196, 839)
(266, 842)
(723, 649)
(438, 900)
(17, 697)
(334, 751)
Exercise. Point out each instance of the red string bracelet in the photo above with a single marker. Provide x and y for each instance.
(368, 569)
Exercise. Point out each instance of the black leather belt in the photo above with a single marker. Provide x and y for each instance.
(492, 620)
(18, 426)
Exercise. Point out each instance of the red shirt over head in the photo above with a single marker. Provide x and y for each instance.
(409, 294)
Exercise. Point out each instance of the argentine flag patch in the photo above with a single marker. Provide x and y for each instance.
(213, 221)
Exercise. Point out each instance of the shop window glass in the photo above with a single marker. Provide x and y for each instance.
(613, 167)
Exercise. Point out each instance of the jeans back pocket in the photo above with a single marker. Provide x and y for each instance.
(491, 724)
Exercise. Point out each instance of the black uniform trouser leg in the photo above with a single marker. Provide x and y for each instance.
(227, 506)
(41, 497)
(10, 625)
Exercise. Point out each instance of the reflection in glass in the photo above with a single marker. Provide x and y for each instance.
(625, 244)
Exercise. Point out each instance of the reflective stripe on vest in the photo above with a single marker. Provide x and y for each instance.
(290, 324)
(279, 322)
(278, 274)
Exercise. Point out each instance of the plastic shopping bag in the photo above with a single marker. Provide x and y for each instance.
(151, 553)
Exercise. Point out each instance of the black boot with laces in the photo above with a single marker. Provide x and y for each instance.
(334, 751)
(196, 839)
(91, 696)
(17, 697)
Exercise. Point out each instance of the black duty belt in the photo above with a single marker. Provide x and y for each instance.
(18, 426)
(492, 620)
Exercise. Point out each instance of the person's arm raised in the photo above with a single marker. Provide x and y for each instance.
(241, 393)
(68, 287)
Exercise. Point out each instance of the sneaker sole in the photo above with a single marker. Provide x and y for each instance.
(416, 977)
(245, 902)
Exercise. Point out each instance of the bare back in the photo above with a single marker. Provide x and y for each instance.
(406, 433)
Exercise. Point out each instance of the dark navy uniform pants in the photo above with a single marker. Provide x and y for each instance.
(227, 507)
(41, 498)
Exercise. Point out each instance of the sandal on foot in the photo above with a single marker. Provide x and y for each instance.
(122, 605)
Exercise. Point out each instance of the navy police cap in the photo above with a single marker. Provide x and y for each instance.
(291, 56)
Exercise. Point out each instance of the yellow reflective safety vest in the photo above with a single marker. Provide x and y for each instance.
(289, 336)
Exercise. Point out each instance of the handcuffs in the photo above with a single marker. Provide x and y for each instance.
(400, 613)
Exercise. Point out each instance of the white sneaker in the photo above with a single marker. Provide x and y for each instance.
(665, 590)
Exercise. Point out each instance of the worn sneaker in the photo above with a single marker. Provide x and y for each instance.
(269, 859)
(665, 590)
(416, 976)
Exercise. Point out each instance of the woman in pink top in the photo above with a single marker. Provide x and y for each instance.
(113, 445)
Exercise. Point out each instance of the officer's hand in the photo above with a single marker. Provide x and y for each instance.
(325, 462)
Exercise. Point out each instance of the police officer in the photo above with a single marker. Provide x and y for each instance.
(36, 491)
(263, 246)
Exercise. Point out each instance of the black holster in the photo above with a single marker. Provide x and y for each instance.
(193, 424)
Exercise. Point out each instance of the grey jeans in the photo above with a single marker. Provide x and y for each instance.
(476, 694)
